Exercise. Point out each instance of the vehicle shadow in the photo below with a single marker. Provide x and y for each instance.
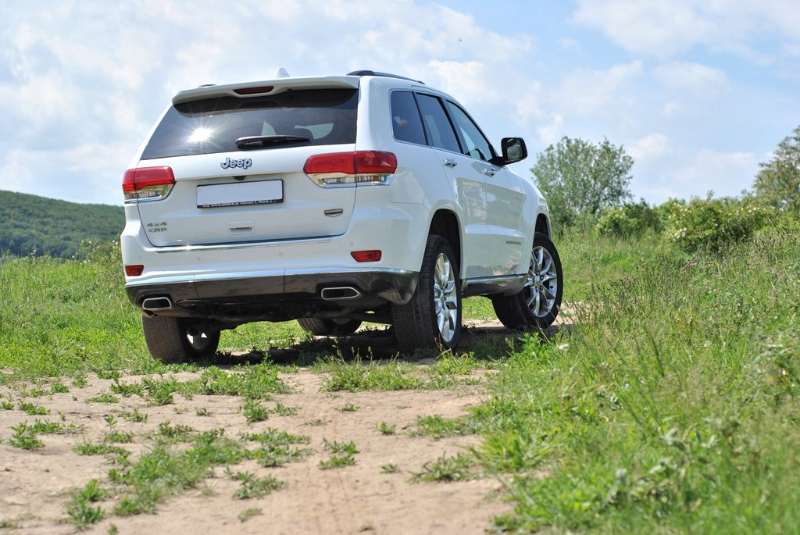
(484, 341)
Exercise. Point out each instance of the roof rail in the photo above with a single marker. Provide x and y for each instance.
(386, 74)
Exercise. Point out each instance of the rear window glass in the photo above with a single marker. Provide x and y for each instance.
(324, 116)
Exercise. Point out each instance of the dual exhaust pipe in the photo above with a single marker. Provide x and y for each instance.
(161, 304)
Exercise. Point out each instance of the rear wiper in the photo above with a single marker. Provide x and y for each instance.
(249, 142)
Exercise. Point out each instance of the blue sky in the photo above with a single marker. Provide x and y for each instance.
(698, 92)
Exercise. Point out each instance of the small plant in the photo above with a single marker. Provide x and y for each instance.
(134, 416)
(59, 388)
(316, 422)
(437, 427)
(7, 405)
(253, 487)
(348, 407)
(25, 437)
(32, 409)
(254, 411)
(247, 514)
(118, 437)
(389, 468)
(177, 433)
(103, 398)
(282, 410)
(80, 380)
(342, 455)
(80, 511)
(96, 449)
(203, 411)
(126, 389)
(386, 429)
(458, 468)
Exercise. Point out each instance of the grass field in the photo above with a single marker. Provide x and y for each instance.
(671, 407)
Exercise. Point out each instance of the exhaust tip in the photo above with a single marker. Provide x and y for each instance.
(337, 293)
(154, 304)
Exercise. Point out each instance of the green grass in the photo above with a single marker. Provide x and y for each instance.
(671, 407)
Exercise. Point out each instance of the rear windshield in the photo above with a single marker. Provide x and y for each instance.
(324, 116)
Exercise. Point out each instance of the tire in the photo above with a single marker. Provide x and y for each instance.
(432, 317)
(329, 327)
(172, 340)
(537, 304)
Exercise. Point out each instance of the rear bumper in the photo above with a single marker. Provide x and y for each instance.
(280, 290)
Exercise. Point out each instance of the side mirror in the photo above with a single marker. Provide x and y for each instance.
(514, 149)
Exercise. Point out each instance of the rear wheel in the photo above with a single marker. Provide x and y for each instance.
(433, 315)
(173, 340)
(329, 327)
(537, 304)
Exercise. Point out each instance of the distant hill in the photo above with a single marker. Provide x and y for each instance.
(32, 225)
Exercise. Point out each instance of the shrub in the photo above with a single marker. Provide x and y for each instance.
(710, 224)
(631, 219)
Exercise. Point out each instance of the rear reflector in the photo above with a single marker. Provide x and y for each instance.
(147, 183)
(366, 256)
(350, 168)
(134, 271)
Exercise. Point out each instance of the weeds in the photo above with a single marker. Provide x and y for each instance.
(342, 454)
(80, 510)
(252, 487)
(25, 437)
(385, 429)
(462, 467)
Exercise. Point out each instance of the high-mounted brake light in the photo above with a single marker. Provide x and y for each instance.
(363, 167)
(253, 90)
(147, 183)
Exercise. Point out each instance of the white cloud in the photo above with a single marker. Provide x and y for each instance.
(590, 91)
(650, 146)
(83, 82)
(666, 29)
(693, 173)
(699, 80)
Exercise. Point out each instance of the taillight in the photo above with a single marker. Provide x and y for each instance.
(363, 167)
(147, 183)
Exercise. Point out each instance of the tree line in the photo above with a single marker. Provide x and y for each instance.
(36, 226)
(587, 184)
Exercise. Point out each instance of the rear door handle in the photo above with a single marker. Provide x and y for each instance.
(450, 162)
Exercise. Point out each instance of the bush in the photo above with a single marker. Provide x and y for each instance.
(632, 219)
(711, 224)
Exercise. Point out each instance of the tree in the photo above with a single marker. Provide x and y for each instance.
(578, 177)
(778, 182)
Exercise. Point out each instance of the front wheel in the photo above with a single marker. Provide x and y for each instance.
(433, 315)
(172, 340)
(537, 304)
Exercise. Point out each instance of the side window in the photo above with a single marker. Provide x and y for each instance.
(406, 123)
(477, 145)
(437, 123)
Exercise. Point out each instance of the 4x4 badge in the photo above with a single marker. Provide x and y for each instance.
(233, 164)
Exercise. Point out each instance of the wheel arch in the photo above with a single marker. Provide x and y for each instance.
(445, 223)
(543, 225)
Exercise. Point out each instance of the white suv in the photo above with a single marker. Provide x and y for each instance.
(331, 201)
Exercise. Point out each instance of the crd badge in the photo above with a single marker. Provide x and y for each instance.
(233, 164)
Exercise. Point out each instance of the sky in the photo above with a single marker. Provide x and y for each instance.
(698, 92)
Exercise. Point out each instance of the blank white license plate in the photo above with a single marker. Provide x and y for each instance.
(245, 194)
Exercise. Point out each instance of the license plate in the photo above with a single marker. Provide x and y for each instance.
(245, 194)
